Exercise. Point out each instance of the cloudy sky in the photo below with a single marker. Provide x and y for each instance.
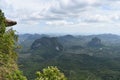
(64, 16)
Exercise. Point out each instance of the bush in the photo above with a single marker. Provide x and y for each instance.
(50, 73)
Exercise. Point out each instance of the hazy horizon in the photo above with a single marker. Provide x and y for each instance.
(59, 34)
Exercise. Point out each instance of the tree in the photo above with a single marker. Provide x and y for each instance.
(50, 73)
(8, 57)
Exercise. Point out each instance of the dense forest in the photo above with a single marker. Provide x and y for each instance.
(93, 57)
(8, 57)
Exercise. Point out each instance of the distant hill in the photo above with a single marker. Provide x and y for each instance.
(109, 39)
(47, 43)
(95, 42)
(92, 57)
(46, 47)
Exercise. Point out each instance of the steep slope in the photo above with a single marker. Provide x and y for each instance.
(95, 42)
(47, 43)
(8, 66)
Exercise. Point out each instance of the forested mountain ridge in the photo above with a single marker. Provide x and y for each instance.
(46, 42)
(109, 39)
(77, 44)
(78, 60)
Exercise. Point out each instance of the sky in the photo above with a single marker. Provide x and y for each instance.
(63, 16)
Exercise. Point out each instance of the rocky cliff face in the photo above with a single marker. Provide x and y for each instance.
(10, 22)
(95, 42)
(47, 43)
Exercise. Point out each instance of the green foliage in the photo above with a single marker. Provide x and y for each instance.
(78, 62)
(8, 67)
(8, 57)
(16, 75)
(50, 73)
(2, 23)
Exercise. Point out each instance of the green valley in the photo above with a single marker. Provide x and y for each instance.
(94, 57)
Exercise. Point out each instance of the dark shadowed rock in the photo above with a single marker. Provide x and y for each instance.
(47, 43)
(95, 42)
(10, 22)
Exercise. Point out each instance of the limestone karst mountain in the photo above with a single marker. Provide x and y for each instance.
(95, 42)
(47, 43)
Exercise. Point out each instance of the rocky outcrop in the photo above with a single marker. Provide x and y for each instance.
(47, 43)
(10, 22)
(95, 42)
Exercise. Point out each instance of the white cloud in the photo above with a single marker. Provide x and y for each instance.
(59, 23)
(77, 13)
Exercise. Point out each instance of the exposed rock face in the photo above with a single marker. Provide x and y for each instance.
(47, 43)
(10, 22)
(95, 42)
